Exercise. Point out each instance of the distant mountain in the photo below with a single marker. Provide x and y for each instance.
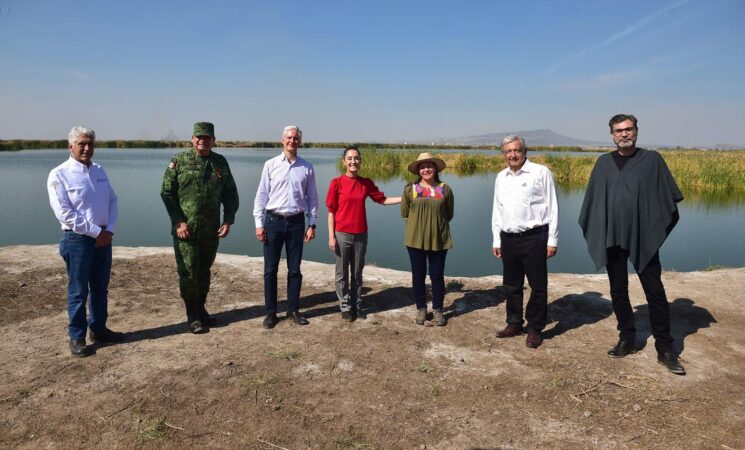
(532, 138)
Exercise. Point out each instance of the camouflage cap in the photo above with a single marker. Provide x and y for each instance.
(204, 129)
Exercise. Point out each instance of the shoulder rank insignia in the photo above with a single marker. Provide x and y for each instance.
(172, 165)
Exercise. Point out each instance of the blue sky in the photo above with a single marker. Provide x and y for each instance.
(373, 70)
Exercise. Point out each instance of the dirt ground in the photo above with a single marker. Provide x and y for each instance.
(382, 383)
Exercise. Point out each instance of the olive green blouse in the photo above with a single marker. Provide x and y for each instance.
(427, 214)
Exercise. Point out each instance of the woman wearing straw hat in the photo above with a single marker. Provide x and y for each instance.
(348, 230)
(427, 208)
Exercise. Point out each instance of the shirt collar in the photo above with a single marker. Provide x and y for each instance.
(284, 158)
(77, 165)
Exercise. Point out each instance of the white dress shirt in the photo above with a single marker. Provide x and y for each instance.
(82, 198)
(286, 189)
(524, 200)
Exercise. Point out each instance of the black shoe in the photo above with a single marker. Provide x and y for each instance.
(347, 316)
(106, 336)
(270, 321)
(207, 319)
(668, 359)
(623, 348)
(197, 327)
(297, 318)
(360, 313)
(79, 349)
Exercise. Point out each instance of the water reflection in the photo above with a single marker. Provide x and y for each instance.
(709, 231)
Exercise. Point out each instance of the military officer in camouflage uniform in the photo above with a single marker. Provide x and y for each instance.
(196, 182)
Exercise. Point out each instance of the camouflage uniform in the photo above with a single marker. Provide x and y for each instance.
(193, 189)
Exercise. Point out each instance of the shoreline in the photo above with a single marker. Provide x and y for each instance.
(382, 274)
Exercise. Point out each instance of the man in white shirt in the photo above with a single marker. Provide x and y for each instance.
(286, 194)
(525, 228)
(85, 204)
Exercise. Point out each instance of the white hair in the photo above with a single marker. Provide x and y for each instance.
(292, 127)
(513, 138)
(77, 132)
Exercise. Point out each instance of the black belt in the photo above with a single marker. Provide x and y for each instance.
(272, 213)
(532, 231)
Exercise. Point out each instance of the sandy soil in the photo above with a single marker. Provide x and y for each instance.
(382, 383)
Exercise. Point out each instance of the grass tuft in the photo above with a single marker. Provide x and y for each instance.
(283, 354)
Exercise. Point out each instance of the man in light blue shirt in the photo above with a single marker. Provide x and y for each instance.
(85, 204)
(286, 194)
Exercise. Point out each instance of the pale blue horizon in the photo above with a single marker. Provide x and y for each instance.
(373, 71)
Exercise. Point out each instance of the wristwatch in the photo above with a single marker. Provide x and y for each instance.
(312, 226)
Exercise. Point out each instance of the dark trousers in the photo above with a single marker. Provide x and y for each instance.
(287, 232)
(524, 254)
(88, 272)
(350, 260)
(651, 281)
(194, 259)
(419, 259)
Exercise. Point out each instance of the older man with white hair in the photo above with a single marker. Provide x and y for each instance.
(286, 194)
(525, 227)
(85, 205)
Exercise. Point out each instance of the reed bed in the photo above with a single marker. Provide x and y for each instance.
(697, 171)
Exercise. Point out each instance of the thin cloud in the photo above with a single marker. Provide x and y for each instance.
(605, 80)
(616, 36)
(79, 75)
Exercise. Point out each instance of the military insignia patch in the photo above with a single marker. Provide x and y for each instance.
(172, 165)
(218, 173)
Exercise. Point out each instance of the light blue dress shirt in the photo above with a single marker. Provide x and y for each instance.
(286, 189)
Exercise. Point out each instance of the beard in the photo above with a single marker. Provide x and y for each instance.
(625, 143)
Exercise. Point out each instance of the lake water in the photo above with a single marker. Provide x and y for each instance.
(708, 233)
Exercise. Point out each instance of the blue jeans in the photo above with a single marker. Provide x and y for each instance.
(436, 259)
(88, 270)
(281, 232)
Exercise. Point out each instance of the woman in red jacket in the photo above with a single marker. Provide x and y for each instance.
(348, 230)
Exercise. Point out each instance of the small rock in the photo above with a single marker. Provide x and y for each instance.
(587, 414)
(525, 394)
(637, 407)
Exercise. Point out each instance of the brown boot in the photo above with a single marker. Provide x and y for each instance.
(510, 331)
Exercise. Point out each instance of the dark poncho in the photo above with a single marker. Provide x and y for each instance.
(634, 208)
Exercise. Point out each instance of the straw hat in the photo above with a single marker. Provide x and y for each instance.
(426, 157)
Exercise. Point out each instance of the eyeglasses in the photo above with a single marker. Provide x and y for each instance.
(619, 131)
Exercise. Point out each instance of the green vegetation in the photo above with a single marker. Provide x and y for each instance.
(351, 440)
(454, 286)
(154, 429)
(283, 354)
(33, 144)
(424, 368)
(18, 144)
(714, 174)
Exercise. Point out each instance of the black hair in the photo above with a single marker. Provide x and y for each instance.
(618, 118)
(351, 147)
